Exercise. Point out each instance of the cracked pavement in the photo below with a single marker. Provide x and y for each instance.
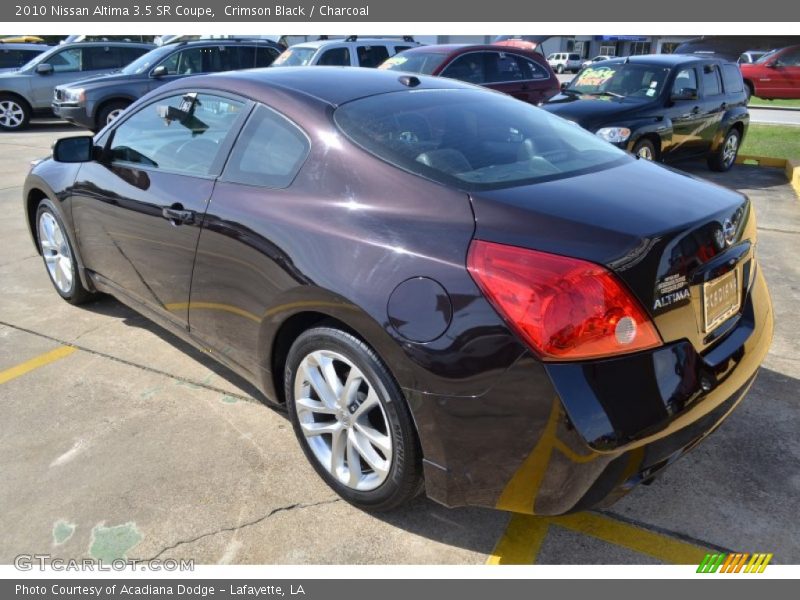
(138, 445)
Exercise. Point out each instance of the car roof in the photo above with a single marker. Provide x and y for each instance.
(665, 60)
(221, 42)
(373, 41)
(463, 48)
(103, 44)
(331, 85)
(24, 46)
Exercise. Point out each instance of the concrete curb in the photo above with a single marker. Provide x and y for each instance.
(791, 168)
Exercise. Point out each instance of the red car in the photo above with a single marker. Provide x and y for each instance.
(513, 71)
(774, 75)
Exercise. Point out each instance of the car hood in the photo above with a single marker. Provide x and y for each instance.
(588, 109)
(656, 228)
(101, 80)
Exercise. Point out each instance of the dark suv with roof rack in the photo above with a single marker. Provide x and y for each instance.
(93, 103)
(661, 107)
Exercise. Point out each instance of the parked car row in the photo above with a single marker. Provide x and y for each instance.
(436, 280)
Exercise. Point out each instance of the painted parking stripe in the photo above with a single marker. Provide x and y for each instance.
(524, 535)
(35, 363)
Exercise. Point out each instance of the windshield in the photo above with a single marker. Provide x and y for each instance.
(295, 57)
(767, 56)
(625, 80)
(473, 139)
(147, 61)
(414, 62)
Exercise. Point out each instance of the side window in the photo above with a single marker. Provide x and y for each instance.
(179, 134)
(685, 80)
(399, 49)
(501, 67)
(712, 86)
(184, 62)
(732, 78)
(531, 69)
(335, 57)
(790, 58)
(221, 58)
(467, 67)
(371, 56)
(265, 56)
(269, 152)
(101, 57)
(131, 54)
(67, 61)
(247, 56)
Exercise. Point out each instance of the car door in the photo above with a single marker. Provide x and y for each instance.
(371, 56)
(687, 120)
(138, 208)
(712, 104)
(785, 74)
(240, 267)
(68, 66)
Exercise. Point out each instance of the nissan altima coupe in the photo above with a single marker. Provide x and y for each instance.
(447, 288)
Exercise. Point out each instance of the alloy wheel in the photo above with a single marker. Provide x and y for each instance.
(112, 116)
(645, 152)
(343, 420)
(11, 114)
(56, 252)
(730, 149)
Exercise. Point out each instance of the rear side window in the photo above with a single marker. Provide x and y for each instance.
(335, 57)
(268, 153)
(102, 57)
(574, 57)
(732, 78)
(371, 56)
(531, 69)
(712, 86)
(467, 67)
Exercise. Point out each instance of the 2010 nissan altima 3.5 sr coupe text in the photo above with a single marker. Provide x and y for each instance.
(443, 284)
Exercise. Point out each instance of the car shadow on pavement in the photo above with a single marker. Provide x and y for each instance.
(739, 178)
(52, 126)
(109, 306)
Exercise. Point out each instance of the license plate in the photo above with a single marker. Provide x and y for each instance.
(721, 299)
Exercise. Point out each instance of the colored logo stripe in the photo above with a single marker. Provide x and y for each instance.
(733, 563)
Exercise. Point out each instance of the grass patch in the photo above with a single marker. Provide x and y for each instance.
(780, 103)
(777, 141)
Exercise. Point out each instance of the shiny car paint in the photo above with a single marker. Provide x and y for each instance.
(382, 252)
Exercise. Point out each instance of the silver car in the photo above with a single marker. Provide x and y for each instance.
(28, 91)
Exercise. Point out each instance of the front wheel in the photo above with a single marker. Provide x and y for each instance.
(110, 113)
(724, 158)
(351, 419)
(59, 256)
(645, 149)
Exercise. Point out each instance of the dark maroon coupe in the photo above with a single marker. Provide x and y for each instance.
(442, 283)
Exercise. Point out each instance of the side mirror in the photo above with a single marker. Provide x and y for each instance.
(159, 72)
(684, 94)
(44, 69)
(74, 149)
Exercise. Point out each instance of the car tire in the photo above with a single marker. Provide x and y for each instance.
(560, 69)
(748, 88)
(365, 419)
(110, 112)
(15, 114)
(725, 157)
(59, 255)
(645, 149)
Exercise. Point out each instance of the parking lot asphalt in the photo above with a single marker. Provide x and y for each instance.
(119, 440)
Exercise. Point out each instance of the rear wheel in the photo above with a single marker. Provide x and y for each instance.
(351, 419)
(724, 158)
(58, 255)
(645, 149)
(14, 113)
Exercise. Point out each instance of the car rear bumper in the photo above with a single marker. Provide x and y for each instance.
(552, 438)
(74, 114)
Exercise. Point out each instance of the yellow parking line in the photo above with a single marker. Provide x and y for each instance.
(35, 363)
(524, 535)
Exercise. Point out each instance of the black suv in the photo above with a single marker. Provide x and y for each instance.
(661, 107)
(93, 103)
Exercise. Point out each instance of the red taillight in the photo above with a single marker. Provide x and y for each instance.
(565, 308)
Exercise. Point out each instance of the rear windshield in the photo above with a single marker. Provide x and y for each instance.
(414, 62)
(295, 57)
(475, 140)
